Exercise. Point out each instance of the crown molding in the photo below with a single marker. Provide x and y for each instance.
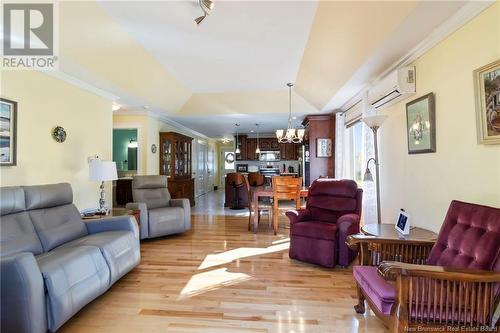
(455, 22)
(161, 117)
(79, 83)
(169, 121)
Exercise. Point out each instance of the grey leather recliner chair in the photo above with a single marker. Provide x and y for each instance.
(52, 263)
(160, 215)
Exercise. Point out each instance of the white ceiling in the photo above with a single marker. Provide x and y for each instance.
(241, 46)
(234, 66)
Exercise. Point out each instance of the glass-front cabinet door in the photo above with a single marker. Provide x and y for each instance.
(175, 158)
(166, 150)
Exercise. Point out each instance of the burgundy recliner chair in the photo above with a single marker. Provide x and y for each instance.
(318, 233)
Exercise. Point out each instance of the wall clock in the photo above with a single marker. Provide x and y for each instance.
(59, 134)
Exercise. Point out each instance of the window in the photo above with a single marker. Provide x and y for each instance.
(354, 149)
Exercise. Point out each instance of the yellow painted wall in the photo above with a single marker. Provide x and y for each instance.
(43, 103)
(149, 134)
(462, 169)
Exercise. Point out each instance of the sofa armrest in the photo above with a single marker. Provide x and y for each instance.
(143, 208)
(347, 225)
(186, 205)
(298, 215)
(23, 295)
(125, 222)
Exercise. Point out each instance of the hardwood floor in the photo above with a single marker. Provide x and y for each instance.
(221, 278)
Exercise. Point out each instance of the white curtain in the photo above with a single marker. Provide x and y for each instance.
(340, 142)
(346, 162)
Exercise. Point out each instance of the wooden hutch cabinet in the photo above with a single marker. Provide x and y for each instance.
(175, 163)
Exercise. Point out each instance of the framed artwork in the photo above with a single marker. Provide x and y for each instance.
(421, 125)
(8, 122)
(487, 89)
(323, 147)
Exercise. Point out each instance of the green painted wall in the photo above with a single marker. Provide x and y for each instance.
(121, 139)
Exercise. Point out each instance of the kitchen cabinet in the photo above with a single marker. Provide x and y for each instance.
(265, 144)
(289, 151)
(320, 127)
(251, 147)
(242, 144)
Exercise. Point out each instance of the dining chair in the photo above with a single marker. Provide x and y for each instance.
(285, 188)
(263, 204)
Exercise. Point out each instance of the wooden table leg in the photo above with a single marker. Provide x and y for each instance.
(255, 209)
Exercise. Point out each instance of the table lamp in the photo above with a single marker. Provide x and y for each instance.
(102, 171)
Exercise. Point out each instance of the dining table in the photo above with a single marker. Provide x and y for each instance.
(265, 191)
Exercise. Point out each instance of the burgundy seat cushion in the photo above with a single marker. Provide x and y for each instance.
(465, 226)
(314, 229)
(381, 293)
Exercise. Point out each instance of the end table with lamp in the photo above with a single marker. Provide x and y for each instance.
(102, 171)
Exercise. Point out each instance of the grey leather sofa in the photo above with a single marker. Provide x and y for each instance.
(52, 263)
(160, 215)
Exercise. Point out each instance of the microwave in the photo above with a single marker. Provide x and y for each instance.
(270, 156)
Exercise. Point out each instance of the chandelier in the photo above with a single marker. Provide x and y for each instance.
(290, 135)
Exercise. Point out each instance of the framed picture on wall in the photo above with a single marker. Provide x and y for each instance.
(323, 147)
(487, 90)
(8, 122)
(421, 125)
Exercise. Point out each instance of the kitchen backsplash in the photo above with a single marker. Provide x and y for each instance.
(255, 165)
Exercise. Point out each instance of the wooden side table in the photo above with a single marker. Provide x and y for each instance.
(387, 231)
(383, 242)
(116, 212)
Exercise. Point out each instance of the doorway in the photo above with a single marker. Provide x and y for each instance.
(125, 151)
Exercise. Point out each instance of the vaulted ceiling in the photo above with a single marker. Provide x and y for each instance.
(234, 66)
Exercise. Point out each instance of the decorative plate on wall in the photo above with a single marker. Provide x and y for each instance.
(59, 134)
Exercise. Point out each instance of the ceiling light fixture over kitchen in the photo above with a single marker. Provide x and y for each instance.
(290, 134)
(257, 151)
(237, 151)
(206, 6)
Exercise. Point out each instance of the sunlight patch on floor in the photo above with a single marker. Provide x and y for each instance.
(226, 257)
(203, 282)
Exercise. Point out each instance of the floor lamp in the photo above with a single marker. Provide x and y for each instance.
(374, 122)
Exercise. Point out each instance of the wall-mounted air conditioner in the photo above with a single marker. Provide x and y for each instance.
(394, 87)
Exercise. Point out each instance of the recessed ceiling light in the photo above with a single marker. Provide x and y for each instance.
(251, 131)
(294, 118)
(115, 107)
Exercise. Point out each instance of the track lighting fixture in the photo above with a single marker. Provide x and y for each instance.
(198, 20)
(206, 6)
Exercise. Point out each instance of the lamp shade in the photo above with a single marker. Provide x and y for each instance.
(102, 170)
(368, 177)
(374, 121)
